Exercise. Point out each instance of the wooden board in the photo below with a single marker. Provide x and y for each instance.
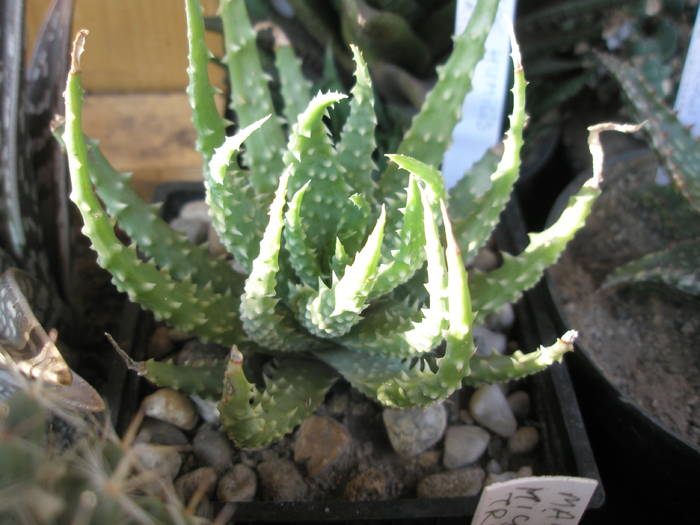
(134, 45)
(149, 134)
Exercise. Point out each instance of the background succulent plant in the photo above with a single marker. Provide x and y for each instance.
(347, 272)
(36, 295)
(677, 266)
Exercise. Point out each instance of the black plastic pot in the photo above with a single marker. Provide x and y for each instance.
(650, 472)
(564, 448)
(640, 459)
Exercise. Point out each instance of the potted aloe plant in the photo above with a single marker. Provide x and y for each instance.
(347, 273)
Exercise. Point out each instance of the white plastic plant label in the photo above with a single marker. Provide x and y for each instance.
(687, 104)
(482, 113)
(688, 96)
(536, 500)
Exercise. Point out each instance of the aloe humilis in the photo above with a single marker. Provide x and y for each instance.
(347, 272)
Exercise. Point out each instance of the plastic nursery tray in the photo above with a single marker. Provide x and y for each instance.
(565, 448)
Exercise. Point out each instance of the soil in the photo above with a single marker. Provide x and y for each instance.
(643, 338)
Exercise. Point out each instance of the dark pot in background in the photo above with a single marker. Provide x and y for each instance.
(648, 470)
(564, 447)
(640, 459)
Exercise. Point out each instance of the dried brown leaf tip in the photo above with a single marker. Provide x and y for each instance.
(78, 48)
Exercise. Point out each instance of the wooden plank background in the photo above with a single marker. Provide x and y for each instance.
(134, 45)
(134, 74)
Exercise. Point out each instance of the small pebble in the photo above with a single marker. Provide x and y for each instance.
(321, 443)
(160, 344)
(488, 342)
(172, 407)
(501, 320)
(205, 510)
(203, 479)
(519, 402)
(523, 440)
(488, 406)
(338, 404)
(196, 353)
(194, 230)
(367, 485)
(237, 484)
(496, 446)
(359, 407)
(452, 484)
(280, 480)
(207, 408)
(428, 459)
(465, 418)
(414, 430)
(485, 260)
(196, 210)
(497, 478)
(493, 467)
(212, 448)
(164, 460)
(160, 433)
(267, 454)
(214, 245)
(248, 458)
(524, 471)
(464, 445)
(452, 405)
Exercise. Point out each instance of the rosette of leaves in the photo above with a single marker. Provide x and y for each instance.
(350, 273)
(677, 266)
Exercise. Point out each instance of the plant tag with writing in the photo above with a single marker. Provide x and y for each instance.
(687, 103)
(482, 113)
(536, 500)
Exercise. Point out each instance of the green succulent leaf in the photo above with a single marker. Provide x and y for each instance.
(302, 257)
(334, 310)
(237, 213)
(357, 143)
(498, 368)
(267, 321)
(675, 146)
(155, 238)
(677, 267)
(191, 309)
(479, 214)
(295, 88)
(505, 284)
(293, 390)
(250, 97)
(431, 130)
(203, 381)
(395, 382)
(490, 291)
(205, 116)
(405, 256)
(311, 157)
(399, 330)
